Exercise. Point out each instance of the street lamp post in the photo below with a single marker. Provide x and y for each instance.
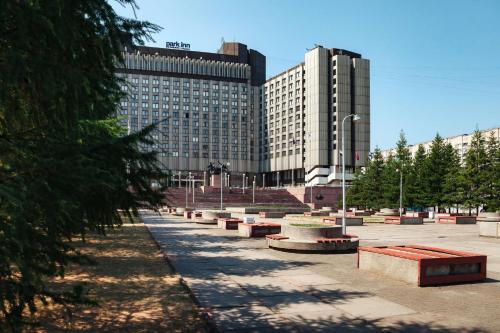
(400, 191)
(187, 182)
(253, 191)
(355, 118)
(278, 180)
(243, 183)
(179, 179)
(221, 188)
(194, 185)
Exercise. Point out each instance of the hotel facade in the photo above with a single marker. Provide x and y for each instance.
(214, 107)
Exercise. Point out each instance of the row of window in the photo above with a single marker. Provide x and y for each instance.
(186, 84)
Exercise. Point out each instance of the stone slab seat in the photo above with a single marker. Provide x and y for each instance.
(276, 237)
(407, 220)
(349, 221)
(259, 229)
(317, 213)
(228, 223)
(423, 265)
(272, 215)
(456, 219)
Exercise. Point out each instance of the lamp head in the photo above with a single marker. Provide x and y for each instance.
(356, 118)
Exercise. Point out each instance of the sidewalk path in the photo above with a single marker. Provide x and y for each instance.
(246, 287)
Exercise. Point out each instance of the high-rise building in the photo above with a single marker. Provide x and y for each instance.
(206, 104)
(214, 107)
(304, 106)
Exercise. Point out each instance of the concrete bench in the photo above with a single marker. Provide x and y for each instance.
(258, 229)
(272, 215)
(317, 213)
(423, 265)
(228, 223)
(358, 213)
(187, 214)
(196, 214)
(424, 215)
(456, 220)
(349, 221)
(403, 220)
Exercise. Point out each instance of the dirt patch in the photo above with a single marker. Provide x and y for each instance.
(136, 289)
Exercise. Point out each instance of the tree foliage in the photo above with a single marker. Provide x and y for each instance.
(66, 166)
(437, 178)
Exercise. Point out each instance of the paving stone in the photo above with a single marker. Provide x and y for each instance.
(265, 285)
(247, 319)
(372, 307)
(296, 303)
(308, 280)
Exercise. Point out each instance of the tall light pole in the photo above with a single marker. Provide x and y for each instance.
(243, 183)
(187, 182)
(355, 118)
(400, 190)
(193, 189)
(221, 188)
(278, 180)
(179, 179)
(253, 190)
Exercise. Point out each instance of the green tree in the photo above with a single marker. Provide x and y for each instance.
(476, 171)
(373, 181)
(492, 178)
(438, 163)
(390, 182)
(66, 166)
(417, 188)
(404, 164)
(454, 185)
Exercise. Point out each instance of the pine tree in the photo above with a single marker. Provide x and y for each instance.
(492, 178)
(390, 182)
(454, 183)
(438, 163)
(404, 161)
(476, 171)
(417, 191)
(66, 166)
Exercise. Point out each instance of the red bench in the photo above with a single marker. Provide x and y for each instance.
(258, 229)
(272, 215)
(423, 265)
(403, 220)
(228, 223)
(456, 220)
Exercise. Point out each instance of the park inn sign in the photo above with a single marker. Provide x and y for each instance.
(178, 45)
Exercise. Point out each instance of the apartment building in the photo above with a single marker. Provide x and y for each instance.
(460, 142)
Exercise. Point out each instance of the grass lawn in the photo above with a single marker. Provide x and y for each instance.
(136, 289)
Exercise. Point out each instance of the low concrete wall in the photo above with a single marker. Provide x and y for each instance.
(489, 229)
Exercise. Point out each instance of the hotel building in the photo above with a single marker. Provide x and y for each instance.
(300, 133)
(219, 107)
(206, 104)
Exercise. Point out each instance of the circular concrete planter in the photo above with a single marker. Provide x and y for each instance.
(489, 224)
(312, 238)
(388, 212)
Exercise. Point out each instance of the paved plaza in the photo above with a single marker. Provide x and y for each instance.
(246, 287)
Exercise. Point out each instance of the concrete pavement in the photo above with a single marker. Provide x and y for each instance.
(246, 287)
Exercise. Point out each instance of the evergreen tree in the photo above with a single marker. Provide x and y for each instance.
(476, 171)
(492, 178)
(438, 162)
(66, 166)
(373, 180)
(454, 184)
(404, 161)
(417, 190)
(390, 183)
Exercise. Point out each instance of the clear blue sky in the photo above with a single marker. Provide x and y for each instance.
(435, 65)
